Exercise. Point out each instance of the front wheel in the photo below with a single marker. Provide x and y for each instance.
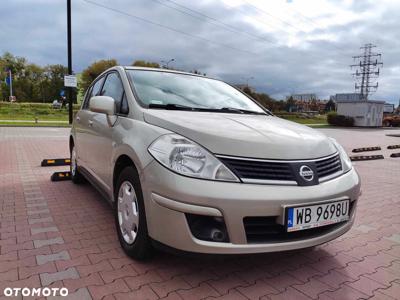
(130, 216)
(76, 177)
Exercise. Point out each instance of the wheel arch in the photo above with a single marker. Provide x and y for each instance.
(121, 163)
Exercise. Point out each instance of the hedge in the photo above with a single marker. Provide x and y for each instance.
(340, 120)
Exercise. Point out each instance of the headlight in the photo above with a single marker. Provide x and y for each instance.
(346, 162)
(185, 157)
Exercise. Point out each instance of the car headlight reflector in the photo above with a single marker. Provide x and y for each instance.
(346, 162)
(185, 157)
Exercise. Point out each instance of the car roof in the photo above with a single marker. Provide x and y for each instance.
(164, 70)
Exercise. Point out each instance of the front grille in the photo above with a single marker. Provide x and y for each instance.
(256, 170)
(328, 166)
(267, 230)
(259, 169)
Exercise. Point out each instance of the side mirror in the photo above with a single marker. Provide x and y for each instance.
(103, 105)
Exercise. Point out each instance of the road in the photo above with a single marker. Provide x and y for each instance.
(62, 235)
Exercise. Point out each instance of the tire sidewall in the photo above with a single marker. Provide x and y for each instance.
(77, 177)
(141, 247)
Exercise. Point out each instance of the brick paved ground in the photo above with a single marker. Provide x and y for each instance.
(62, 235)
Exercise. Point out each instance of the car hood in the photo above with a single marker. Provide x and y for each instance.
(257, 136)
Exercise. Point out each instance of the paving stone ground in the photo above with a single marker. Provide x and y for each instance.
(62, 235)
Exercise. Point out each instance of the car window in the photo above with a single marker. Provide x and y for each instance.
(113, 88)
(94, 90)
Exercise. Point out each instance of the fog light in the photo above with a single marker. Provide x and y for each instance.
(208, 228)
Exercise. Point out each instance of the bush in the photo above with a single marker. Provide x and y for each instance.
(340, 120)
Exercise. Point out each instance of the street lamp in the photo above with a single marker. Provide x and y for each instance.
(166, 63)
(247, 80)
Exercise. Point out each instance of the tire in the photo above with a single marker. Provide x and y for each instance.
(76, 177)
(130, 215)
(386, 124)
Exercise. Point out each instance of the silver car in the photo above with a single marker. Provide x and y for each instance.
(192, 163)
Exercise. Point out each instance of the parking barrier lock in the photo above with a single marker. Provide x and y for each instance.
(366, 157)
(60, 176)
(364, 149)
(393, 147)
(56, 162)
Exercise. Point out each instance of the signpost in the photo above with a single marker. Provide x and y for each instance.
(69, 61)
(9, 83)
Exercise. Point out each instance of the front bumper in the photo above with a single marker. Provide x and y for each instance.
(168, 196)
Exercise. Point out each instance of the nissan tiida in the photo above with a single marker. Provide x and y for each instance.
(192, 163)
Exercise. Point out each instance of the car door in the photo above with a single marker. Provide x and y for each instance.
(82, 125)
(100, 156)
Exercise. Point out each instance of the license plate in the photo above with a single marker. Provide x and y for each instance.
(306, 217)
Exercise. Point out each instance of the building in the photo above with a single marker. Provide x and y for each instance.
(303, 97)
(388, 108)
(365, 113)
(346, 97)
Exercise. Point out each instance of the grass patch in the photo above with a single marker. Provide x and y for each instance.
(32, 124)
(304, 119)
(32, 111)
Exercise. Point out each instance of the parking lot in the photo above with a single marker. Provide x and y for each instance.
(58, 234)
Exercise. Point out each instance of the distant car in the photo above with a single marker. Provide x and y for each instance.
(192, 163)
(56, 104)
(391, 121)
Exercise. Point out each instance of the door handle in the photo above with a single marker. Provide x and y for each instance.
(90, 123)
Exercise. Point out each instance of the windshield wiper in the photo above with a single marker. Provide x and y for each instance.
(242, 111)
(171, 106)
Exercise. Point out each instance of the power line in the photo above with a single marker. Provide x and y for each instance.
(176, 30)
(308, 19)
(281, 20)
(214, 21)
(271, 15)
(167, 27)
(219, 23)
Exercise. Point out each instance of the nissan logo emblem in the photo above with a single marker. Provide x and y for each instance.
(306, 173)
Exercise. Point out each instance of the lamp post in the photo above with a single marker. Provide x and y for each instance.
(166, 63)
(247, 80)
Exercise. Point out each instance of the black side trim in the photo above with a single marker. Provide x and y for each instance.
(94, 183)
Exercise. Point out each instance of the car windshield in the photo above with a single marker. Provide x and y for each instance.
(169, 90)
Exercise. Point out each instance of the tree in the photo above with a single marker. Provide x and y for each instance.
(264, 99)
(147, 64)
(197, 72)
(330, 106)
(94, 70)
(53, 82)
(290, 104)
